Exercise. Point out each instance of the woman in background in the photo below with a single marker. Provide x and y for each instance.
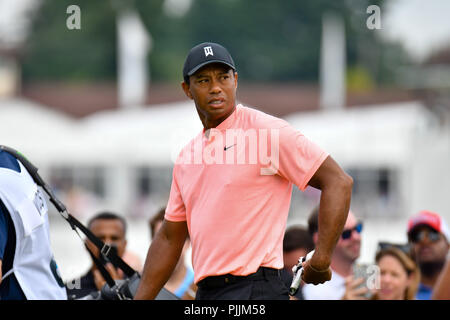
(399, 275)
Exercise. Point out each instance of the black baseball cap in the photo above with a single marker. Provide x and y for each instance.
(203, 54)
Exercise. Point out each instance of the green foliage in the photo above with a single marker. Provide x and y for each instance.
(359, 79)
(54, 52)
(269, 40)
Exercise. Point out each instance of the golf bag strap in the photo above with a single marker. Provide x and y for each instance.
(105, 274)
(104, 248)
(111, 255)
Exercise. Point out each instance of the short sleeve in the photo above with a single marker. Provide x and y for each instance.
(299, 157)
(176, 210)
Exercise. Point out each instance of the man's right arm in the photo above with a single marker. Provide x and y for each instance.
(162, 257)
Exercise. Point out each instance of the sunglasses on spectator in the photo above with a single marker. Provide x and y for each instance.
(433, 236)
(347, 234)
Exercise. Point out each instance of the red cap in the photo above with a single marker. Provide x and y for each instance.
(430, 219)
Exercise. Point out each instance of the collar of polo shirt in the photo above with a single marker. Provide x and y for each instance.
(225, 124)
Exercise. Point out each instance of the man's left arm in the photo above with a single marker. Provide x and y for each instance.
(304, 163)
(336, 189)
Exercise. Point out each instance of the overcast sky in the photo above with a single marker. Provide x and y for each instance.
(422, 25)
(13, 22)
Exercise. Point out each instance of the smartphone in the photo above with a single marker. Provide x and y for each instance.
(363, 271)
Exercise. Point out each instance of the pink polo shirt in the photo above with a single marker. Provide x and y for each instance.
(233, 184)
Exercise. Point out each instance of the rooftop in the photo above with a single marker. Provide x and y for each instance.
(80, 100)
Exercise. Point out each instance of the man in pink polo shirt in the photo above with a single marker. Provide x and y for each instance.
(231, 191)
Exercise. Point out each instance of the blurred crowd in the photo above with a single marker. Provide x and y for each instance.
(111, 229)
(416, 270)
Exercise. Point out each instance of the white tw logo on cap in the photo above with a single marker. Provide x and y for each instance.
(208, 51)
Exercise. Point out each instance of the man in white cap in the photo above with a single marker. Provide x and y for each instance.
(428, 235)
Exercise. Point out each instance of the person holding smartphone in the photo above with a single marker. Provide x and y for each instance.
(343, 283)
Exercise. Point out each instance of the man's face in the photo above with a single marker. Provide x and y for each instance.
(349, 248)
(428, 245)
(213, 89)
(111, 232)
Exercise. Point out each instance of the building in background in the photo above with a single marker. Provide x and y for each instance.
(99, 154)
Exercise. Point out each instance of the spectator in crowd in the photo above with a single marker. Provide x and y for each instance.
(342, 284)
(111, 229)
(297, 242)
(399, 275)
(429, 235)
(442, 288)
(181, 282)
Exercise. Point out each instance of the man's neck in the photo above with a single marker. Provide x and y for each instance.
(213, 123)
(430, 273)
(208, 124)
(429, 281)
(342, 267)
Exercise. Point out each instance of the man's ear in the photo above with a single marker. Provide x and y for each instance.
(236, 79)
(186, 90)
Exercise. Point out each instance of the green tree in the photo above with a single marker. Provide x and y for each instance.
(269, 40)
(53, 52)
